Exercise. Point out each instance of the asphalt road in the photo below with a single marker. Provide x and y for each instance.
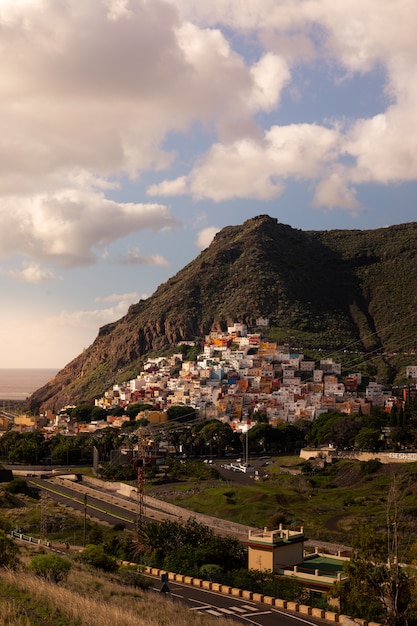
(98, 507)
(243, 611)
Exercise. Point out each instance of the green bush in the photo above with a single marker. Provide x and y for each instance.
(96, 556)
(17, 485)
(211, 571)
(8, 551)
(129, 575)
(51, 567)
(370, 467)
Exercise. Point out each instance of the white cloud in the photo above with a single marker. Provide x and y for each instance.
(258, 169)
(206, 236)
(134, 257)
(89, 92)
(270, 75)
(355, 36)
(133, 296)
(333, 191)
(31, 273)
(175, 187)
(96, 86)
(69, 226)
(93, 318)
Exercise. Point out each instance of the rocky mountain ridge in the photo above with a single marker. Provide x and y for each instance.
(322, 288)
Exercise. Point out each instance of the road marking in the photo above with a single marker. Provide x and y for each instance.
(238, 609)
(249, 608)
(300, 619)
(213, 612)
(260, 613)
(200, 608)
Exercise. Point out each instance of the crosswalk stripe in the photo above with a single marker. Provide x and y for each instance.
(213, 612)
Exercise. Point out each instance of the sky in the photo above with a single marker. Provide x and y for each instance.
(131, 131)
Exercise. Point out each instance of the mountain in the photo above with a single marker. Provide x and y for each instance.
(319, 289)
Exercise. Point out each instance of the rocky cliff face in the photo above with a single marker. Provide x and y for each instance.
(331, 285)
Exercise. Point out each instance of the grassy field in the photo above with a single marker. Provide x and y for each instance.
(87, 599)
(329, 503)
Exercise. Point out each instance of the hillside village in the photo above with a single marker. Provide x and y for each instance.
(236, 377)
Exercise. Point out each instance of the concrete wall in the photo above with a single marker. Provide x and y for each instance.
(219, 525)
(384, 457)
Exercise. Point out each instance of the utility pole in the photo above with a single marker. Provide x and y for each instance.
(85, 521)
(43, 516)
(140, 469)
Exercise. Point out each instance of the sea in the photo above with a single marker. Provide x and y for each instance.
(17, 384)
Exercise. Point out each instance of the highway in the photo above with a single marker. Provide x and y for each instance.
(98, 507)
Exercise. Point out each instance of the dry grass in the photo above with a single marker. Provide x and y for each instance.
(88, 600)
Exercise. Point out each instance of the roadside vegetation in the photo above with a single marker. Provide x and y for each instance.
(382, 535)
(86, 599)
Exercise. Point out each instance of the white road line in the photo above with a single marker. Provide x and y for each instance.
(249, 608)
(213, 612)
(292, 616)
(260, 613)
(225, 611)
(238, 609)
(200, 608)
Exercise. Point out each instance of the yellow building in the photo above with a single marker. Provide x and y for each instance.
(274, 550)
(25, 420)
(154, 417)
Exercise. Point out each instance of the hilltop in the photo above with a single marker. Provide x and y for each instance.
(320, 289)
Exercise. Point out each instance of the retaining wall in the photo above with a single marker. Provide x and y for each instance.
(220, 525)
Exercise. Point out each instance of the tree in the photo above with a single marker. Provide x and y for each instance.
(379, 589)
(181, 414)
(217, 436)
(82, 412)
(25, 447)
(137, 407)
(95, 536)
(98, 414)
(67, 450)
(336, 428)
(368, 439)
(263, 436)
(51, 567)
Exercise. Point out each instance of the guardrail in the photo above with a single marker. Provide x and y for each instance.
(279, 603)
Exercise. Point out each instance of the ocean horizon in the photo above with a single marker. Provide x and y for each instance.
(17, 384)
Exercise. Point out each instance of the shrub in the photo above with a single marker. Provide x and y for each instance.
(8, 551)
(370, 467)
(129, 575)
(17, 485)
(96, 557)
(211, 571)
(51, 567)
